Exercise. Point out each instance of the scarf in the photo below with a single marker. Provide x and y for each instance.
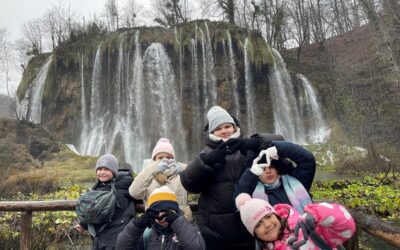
(297, 194)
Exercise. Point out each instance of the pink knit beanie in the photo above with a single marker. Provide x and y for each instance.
(163, 146)
(252, 210)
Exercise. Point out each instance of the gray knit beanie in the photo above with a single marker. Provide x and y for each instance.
(108, 161)
(217, 116)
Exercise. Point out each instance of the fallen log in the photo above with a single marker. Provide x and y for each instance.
(375, 226)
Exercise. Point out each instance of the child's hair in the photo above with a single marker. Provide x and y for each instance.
(284, 225)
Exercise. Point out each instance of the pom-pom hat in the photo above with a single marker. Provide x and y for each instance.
(163, 198)
(252, 210)
(163, 146)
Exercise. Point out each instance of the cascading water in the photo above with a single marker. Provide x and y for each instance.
(250, 94)
(30, 107)
(318, 130)
(133, 98)
(208, 59)
(232, 71)
(287, 120)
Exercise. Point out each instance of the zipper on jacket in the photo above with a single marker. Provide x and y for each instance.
(162, 241)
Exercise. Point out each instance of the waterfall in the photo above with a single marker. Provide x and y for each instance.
(92, 139)
(232, 71)
(287, 119)
(178, 42)
(31, 105)
(250, 94)
(208, 67)
(163, 113)
(318, 130)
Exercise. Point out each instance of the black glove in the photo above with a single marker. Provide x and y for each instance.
(171, 216)
(146, 219)
(232, 145)
(214, 158)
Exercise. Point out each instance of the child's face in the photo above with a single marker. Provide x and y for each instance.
(163, 155)
(268, 228)
(161, 219)
(103, 174)
(269, 175)
(224, 131)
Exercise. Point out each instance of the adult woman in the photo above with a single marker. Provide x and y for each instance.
(277, 181)
(105, 235)
(214, 174)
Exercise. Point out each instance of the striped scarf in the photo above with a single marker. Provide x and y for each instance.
(295, 191)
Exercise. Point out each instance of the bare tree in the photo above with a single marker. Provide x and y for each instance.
(131, 11)
(225, 8)
(112, 15)
(170, 12)
(59, 21)
(33, 36)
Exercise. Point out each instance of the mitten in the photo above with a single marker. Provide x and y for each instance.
(258, 168)
(171, 216)
(235, 144)
(270, 154)
(213, 157)
(146, 219)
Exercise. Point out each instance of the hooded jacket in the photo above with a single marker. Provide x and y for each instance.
(333, 223)
(218, 218)
(183, 236)
(106, 237)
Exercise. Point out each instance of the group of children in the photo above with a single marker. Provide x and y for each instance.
(254, 194)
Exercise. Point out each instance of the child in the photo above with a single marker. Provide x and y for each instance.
(282, 227)
(161, 169)
(169, 228)
(107, 171)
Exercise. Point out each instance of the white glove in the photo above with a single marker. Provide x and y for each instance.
(270, 154)
(257, 168)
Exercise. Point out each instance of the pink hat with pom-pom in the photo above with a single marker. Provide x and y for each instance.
(163, 146)
(252, 210)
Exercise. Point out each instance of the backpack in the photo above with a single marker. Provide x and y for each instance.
(97, 207)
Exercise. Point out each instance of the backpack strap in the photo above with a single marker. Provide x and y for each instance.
(146, 237)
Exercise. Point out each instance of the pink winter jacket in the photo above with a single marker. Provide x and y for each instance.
(333, 222)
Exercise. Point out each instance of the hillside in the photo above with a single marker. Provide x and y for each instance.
(357, 76)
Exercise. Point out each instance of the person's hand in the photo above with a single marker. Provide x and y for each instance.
(146, 219)
(213, 157)
(171, 216)
(270, 154)
(79, 228)
(306, 224)
(235, 144)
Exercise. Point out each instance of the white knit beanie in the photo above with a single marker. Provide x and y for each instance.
(108, 161)
(217, 116)
(252, 210)
(163, 146)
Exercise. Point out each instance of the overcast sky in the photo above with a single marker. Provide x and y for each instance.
(13, 13)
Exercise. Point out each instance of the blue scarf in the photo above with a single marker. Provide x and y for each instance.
(297, 194)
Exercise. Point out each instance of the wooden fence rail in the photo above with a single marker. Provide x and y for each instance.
(372, 225)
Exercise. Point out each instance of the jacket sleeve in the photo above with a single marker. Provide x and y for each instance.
(131, 238)
(139, 186)
(197, 175)
(188, 234)
(304, 159)
(247, 183)
(333, 221)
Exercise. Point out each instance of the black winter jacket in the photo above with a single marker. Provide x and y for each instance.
(219, 221)
(106, 238)
(184, 236)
